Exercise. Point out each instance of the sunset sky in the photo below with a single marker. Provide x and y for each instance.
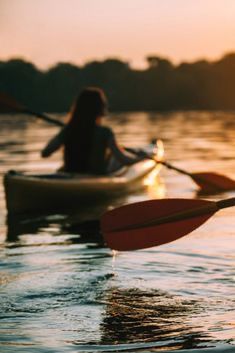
(49, 31)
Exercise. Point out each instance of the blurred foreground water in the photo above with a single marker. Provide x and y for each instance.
(62, 291)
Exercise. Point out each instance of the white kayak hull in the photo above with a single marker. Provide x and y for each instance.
(27, 193)
(31, 193)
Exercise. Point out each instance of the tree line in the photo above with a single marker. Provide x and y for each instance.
(161, 86)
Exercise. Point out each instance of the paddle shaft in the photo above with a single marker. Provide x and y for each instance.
(11, 104)
(168, 165)
(44, 117)
(180, 216)
(226, 203)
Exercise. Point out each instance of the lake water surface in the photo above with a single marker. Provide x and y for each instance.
(60, 292)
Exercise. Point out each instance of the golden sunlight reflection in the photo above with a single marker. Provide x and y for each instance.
(155, 186)
(159, 150)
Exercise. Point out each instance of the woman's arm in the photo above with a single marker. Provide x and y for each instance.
(121, 155)
(54, 144)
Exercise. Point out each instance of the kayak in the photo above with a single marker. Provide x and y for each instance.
(42, 192)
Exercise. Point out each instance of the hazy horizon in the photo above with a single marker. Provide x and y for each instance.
(79, 31)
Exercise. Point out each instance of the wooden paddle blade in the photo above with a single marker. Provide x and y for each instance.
(210, 182)
(9, 104)
(166, 228)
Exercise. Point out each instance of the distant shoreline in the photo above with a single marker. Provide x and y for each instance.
(162, 86)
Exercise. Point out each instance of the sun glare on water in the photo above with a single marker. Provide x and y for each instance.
(156, 189)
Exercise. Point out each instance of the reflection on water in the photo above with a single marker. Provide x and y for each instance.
(82, 232)
(62, 290)
(135, 315)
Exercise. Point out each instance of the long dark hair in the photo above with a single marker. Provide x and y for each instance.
(89, 105)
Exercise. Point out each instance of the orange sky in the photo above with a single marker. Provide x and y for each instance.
(50, 31)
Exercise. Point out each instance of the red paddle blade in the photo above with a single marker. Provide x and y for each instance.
(152, 223)
(209, 181)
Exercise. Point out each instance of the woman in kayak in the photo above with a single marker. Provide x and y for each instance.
(89, 147)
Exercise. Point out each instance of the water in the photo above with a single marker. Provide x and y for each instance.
(63, 293)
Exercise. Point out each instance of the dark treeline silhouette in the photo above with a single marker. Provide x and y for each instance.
(161, 86)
